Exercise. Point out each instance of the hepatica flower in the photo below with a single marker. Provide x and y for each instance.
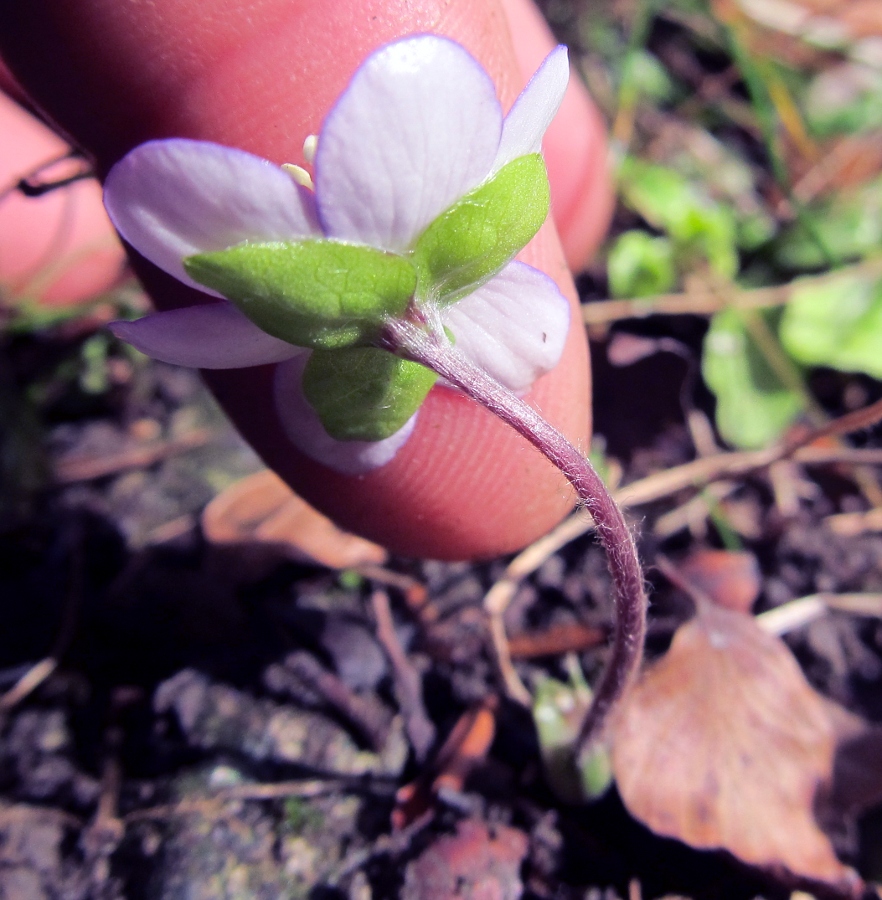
(423, 194)
(397, 268)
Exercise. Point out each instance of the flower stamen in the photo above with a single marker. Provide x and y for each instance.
(310, 146)
(300, 175)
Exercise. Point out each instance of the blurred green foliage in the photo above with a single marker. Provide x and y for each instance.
(745, 158)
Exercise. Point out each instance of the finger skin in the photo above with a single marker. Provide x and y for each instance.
(575, 145)
(59, 248)
(261, 75)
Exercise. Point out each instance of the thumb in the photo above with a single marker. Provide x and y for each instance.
(262, 77)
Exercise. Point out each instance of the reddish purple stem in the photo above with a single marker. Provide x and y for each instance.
(423, 341)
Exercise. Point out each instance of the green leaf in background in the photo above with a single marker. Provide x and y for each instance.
(640, 265)
(644, 77)
(845, 99)
(849, 227)
(94, 378)
(701, 228)
(364, 394)
(314, 293)
(470, 242)
(729, 179)
(754, 406)
(836, 323)
(558, 710)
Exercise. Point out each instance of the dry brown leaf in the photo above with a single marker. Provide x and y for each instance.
(464, 749)
(262, 510)
(810, 19)
(723, 744)
(479, 862)
(731, 579)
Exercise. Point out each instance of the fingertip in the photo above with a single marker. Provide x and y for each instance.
(582, 194)
(575, 145)
(58, 248)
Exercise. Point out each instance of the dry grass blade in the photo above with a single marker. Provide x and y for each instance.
(856, 523)
(465, 747)
(74, 468)
(803, 610)
(570, 637)
(28, 683)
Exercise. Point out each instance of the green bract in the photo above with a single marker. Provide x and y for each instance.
(313, 293)
(334, 297)
(472, 240)
(364, 394)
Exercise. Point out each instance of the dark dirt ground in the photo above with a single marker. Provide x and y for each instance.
(181, 748)
(226, 724)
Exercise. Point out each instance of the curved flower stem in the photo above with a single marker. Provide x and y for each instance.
(424, 341)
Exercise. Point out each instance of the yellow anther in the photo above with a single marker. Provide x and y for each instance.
(300, 175)
(310, 145)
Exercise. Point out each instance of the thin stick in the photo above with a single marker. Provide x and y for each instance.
(425, 343)
(28, 683)
(803, 610)
(711, 300)
(82, 467)
(408, 684)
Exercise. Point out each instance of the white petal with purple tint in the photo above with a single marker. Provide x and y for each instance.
(210, 336)
(417, 128)
(174, 198)
(529, 118)
(514, 327)
(301, 424)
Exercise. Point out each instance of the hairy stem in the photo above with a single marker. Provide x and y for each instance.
(424, 342)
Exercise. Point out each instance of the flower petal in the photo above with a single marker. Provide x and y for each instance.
(175, 198)
(534, 109)
(301, 424)
(514, 327)
(417, 128)
(213, 336)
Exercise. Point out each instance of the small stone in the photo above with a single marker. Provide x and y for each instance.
(214, 716)
(479, 861)
(20, 883)
(30, 838)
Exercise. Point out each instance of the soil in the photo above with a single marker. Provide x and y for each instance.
(182, 748)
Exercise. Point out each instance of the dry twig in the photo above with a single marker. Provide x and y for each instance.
(804, 610)
(76, 468)
(408, 685)
(707, 301)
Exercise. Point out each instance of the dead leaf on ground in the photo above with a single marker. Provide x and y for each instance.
(811, 22)
(723, 744)
(731, 579)
(464, 749)
(857, 773)
(262, 511)
(479, 862)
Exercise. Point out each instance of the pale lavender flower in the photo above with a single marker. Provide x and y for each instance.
(418, 127)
